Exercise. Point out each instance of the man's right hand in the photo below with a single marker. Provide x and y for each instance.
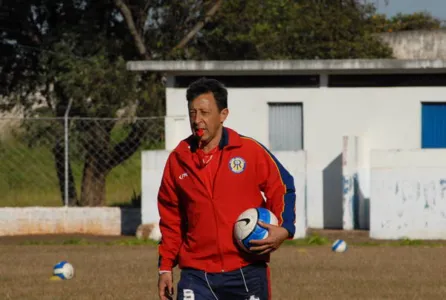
(165, 286)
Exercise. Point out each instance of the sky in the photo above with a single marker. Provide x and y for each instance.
(436, 7)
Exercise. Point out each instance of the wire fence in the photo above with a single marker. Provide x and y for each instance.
(74, 161)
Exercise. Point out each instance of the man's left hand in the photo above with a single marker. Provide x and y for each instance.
(276, 236)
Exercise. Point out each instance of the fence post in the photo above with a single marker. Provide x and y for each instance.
(66, 156)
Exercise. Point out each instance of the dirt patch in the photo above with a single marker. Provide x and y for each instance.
(298, 272)
(60, 238)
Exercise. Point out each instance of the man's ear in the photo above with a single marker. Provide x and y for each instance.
(224, 114)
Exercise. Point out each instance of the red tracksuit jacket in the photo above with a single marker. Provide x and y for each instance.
(197, 225)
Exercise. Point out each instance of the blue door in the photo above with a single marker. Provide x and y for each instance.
(433, 125)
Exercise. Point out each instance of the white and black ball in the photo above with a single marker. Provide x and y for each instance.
(246, 227)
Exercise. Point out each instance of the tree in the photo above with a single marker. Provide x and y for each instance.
(28, 29)
(282, 29)
(109, 88)
(75, 52)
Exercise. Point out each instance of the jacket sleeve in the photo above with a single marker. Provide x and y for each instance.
(170, 220)
(277, 185)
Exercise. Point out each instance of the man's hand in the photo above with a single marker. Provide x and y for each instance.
(165, 286)
(276, 236)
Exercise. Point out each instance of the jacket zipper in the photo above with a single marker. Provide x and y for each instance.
(214, 210)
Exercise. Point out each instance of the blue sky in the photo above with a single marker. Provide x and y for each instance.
(436, 7)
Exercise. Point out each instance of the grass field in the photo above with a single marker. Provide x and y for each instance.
(28, 174)
(28, 178)
(125, 268)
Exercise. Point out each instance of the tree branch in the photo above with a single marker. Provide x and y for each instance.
(209, 14)
(123, 150)
(144, 14)
(48, 96)
(137, 38)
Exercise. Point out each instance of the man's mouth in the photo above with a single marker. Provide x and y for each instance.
(199, 132)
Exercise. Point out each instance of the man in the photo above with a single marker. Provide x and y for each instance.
(208, 181)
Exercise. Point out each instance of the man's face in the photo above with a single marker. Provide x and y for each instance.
(204, 114)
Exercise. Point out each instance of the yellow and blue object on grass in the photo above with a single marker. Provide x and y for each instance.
(62, 271)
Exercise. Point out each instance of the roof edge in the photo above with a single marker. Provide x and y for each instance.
(289, 66)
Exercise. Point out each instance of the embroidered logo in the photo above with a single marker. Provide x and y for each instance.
(237, 165)
(182, 176)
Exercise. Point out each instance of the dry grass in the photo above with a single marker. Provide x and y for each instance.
(298, 272)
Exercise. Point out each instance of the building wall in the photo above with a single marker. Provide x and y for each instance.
(384, 118)
(417, 44)
(409, 194)
(69, 220)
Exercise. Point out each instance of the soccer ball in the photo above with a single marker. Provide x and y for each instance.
(247, 229)
(64, 270)
(339, 246)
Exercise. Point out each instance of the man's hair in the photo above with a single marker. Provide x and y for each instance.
(206, 85)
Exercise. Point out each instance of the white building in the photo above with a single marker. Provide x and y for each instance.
(312, 105)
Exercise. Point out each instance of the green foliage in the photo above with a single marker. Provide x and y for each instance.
(409, 242)
(281, 29)
(311, 240)
(98, 85)
(405, 22)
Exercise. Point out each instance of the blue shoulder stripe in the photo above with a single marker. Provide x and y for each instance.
(288, 214)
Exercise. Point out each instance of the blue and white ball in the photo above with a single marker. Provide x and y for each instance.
(339, 246)
(64, 270)
(247, 229)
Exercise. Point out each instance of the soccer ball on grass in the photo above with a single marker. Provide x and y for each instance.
(62, 271)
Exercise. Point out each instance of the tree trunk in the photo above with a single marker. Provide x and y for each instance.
(93, 181)
(59, 159)
(96, 162)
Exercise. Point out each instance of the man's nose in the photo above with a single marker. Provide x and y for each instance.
(197, 119)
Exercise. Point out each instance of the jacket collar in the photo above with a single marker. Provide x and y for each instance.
(229, 139)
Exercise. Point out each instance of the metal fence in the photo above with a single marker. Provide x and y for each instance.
(74, 161)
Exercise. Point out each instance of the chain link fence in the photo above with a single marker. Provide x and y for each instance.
(74, 161)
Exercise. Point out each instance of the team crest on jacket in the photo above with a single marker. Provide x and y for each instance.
(237, 165)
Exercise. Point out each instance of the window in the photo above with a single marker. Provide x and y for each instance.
(433, 125)
(285, 126)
